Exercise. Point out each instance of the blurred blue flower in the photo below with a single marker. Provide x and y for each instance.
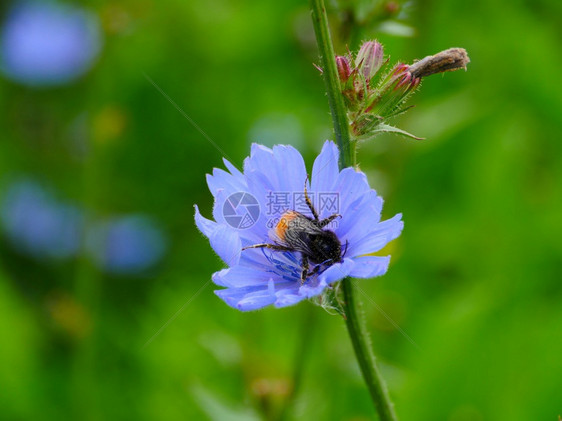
(37, 224)
(46, 44)
(127, 245)
(259, 277)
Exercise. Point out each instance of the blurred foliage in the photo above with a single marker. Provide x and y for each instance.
(475, 278)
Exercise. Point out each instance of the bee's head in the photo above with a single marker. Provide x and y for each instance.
(326, 248)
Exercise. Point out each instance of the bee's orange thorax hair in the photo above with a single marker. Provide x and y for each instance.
(283, 223)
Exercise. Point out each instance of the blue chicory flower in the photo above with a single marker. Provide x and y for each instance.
(246, 208)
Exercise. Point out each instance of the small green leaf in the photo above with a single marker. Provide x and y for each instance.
(385, 128)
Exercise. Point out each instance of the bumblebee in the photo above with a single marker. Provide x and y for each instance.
(296, 232)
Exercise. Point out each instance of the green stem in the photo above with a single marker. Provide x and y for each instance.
(335, 99)
(354, 322)
(364, 353)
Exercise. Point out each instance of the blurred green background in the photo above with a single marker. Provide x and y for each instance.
(475, 280)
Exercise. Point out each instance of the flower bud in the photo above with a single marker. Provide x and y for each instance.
(445, 61)
(401, 79)
(394, 89)
(344, 69)
(369, 59)
(392, 8)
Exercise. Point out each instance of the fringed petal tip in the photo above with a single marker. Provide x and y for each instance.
(206, 226)
(224, 240)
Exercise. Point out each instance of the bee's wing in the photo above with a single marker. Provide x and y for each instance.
(299, 239)
(299, 243)
(295, 234)
(274, 237)
(288, 219)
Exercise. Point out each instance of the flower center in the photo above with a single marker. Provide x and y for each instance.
(287, 266)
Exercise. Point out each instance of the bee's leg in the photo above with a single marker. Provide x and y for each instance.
(304, 272)
(314, 271)
(268, 246)
(329, 219)
(309, 202)
(345, 251)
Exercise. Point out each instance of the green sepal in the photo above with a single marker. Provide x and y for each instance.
(331, 300)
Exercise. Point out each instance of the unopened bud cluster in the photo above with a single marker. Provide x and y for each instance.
(373, 96)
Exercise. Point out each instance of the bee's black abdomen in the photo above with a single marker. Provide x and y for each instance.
(325, 247)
